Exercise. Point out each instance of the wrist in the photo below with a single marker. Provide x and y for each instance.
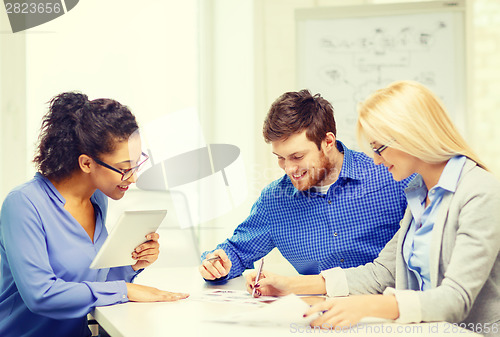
(307, 285)
(220, 280)
(384, 306)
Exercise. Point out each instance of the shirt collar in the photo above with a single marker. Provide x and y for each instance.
(55, 195)
(50, 188)
(349, 169)
(448, 179)
(451, 173)
(416, 193)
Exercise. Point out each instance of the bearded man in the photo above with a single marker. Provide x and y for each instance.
(333, 207)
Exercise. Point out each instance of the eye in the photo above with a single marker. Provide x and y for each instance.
(124, 170)
(297, 157)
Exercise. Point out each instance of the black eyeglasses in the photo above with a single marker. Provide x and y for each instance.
(382, 148)
(127, 173)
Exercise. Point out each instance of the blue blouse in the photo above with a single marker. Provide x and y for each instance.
(416, 247)
(46, 286)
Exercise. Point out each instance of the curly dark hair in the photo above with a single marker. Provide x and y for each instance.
(296, 111)
(74, 126)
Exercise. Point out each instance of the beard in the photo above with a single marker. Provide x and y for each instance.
(316, 175)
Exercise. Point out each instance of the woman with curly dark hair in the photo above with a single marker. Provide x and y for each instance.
(52, 226)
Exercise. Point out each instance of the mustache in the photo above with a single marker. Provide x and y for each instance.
(329, 170)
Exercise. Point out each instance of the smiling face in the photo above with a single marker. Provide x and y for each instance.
(126, 155)
(400, 164)
(305, 165)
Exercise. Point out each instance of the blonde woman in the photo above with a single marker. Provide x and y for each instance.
(443, 264)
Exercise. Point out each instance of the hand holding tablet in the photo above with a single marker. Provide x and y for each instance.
(129, 232)
(146, 253)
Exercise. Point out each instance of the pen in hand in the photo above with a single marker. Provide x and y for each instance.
(214, 258)
(259, 271)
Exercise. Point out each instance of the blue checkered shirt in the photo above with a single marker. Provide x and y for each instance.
(346, 227)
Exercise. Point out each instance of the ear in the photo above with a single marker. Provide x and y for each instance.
(330, 142)
(85, 163)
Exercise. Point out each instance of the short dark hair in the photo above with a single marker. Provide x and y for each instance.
(74, 126)
(294, 112)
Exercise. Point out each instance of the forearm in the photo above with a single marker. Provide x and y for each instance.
(307, 285)
(126, 273)
(66, 300)
(250, 241)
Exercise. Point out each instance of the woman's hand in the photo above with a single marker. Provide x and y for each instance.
(269, 284)
(140, 293)
(345, 312)
(146, 253)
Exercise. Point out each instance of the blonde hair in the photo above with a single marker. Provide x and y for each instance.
(413, 116)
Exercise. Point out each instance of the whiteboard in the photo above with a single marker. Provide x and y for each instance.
(345, 53)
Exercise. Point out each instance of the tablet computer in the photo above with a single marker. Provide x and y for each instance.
(128, 233)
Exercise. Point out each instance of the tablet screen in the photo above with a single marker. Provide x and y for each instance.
(128, 233)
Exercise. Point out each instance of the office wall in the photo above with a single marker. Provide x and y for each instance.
(12, 108)
(145, 56)
(484, 118)
(227, 96)
(484, 55)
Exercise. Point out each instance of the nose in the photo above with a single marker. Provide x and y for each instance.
(133, 178)
(290, 168)
(377, 159)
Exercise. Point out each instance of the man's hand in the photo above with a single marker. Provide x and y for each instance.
(215, 265)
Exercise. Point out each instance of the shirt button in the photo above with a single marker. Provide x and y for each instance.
(341, 260)
(329, 202)
(335, 234)
(124, 296)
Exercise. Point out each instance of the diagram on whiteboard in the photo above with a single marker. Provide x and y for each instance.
(345, 59)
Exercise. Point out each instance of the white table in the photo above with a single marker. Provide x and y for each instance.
(191, 317)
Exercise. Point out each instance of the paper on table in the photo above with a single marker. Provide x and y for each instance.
(231, 296)
(284, 311)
